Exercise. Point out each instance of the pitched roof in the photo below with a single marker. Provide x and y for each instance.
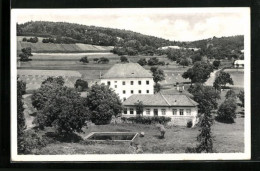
(160, 100)
(239, 62)
(127, 70)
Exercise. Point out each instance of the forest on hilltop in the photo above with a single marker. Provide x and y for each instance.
(127, 42)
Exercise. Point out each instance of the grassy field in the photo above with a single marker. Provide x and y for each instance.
(237, 75)
(40, 47)
(228, 138)
(92, 70)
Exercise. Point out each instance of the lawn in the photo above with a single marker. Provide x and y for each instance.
(228, 138)
(237, 76)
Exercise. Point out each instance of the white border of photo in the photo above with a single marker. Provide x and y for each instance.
(133, 157)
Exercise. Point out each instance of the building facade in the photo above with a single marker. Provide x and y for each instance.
(128, 79)
(179, 107)
(239, 63)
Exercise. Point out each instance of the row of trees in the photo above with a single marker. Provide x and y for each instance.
(32, 39)
(62, 108)
(151, 62)
(102, 60)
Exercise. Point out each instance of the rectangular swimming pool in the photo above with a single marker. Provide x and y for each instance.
(111, 136)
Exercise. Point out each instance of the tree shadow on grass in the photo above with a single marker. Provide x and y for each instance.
(69, 138)
(158, 136)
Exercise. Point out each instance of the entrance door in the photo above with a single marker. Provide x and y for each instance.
(155, 112)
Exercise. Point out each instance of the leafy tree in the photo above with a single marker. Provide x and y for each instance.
(173, 55)
(84, 60)
(26, 53)
(153, 61)
(47, 90)
(124, 59)
(231, 94)
(226, 112)
(64, 109)
(96, 60)
(161, 63)
(222, 79)
(199, 73)
(205, 96)
(241, 96)
(59, 80)
(103, 103)
(139, 107)
(81, 85)
(216, 64)
(24, 39)
(158, 74)
(142, 62)
(157, 87)
(205, 136)
(20, 116)
(103, 60)
(184, 62)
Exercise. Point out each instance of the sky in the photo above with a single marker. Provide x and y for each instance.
(168, 23)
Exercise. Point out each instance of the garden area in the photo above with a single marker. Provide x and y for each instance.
(176, 140)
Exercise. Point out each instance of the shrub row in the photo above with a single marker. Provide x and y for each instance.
(147, 120)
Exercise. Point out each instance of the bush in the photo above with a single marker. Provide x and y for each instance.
(226, 112)
(30, 142)
(84, 60)
(142, 62)
(81, 85)
(147, 120)
(103, 60)
(189, 124)
(153, 61)
(124, 59)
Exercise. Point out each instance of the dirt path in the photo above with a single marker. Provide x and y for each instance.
(212, 77)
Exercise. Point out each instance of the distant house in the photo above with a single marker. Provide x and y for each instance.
(239, 63)
(128, 79)
(179, 107)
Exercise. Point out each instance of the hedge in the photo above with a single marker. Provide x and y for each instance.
(147, 120)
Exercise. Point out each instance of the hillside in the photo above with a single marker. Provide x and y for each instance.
(88, 34)
(40, 47)
(56, 35)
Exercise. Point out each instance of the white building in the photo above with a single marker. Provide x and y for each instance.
(239, 64)
(179, 107)
(128, 79)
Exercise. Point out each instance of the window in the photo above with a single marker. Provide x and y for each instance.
(147, 91)
(174, 111)
(125, 110)
(188, 111)
(131, 111)
(115, 86)
(132, 82)
(108, 83)
(123, 91)
(139, 91)
(181, 111)
(163, 112)
(132, 91)
(147, 111)
(123, 82)
(139, 82)
(147, 82)
(155, 112)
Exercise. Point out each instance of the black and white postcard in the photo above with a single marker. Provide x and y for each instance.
(130, 84)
